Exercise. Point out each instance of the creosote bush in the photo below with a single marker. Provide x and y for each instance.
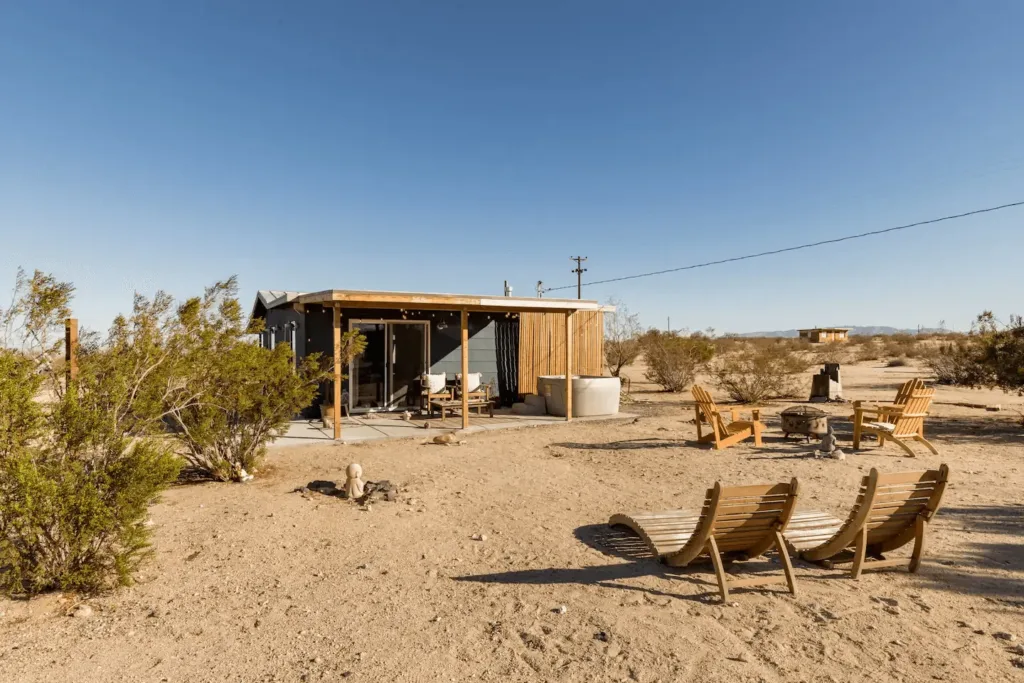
(75, 481)
(77, 524)
(80, 461)
(622, 345)
(958, 363)
(832, 352)
(226, 397)
(672, 360)
(761, 373)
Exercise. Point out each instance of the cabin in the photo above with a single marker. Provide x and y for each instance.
(818, 335)
(511, 341)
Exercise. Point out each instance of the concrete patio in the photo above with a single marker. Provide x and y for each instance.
(378, 426)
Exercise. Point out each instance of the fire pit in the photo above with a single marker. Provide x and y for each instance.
(804, 420)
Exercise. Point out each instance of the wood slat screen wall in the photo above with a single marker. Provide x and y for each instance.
(542, 346)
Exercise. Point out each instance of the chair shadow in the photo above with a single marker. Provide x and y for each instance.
(622, 544)
(625, 445)
(972, 572)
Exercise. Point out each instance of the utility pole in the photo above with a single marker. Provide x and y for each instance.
(540, 289)
(579, 274)
(508, 290)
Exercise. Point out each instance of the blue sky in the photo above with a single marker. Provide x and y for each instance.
(442, 146)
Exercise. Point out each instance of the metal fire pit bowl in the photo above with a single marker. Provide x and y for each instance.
(804, 420)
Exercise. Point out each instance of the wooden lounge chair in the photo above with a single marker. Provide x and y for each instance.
(723, 435)
(433, 388)
(896, 422)
(740, 522)
(891, 510)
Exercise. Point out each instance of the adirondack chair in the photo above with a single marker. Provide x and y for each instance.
(891, 510)
(723, 435)
(902, 396)
(897, 423)
(739, 522)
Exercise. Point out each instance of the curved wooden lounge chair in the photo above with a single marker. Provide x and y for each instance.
(723, 435)
(740, 522)
(891, 510)
(897, 422)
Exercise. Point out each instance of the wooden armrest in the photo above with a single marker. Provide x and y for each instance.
(734, 413)
(879, 408)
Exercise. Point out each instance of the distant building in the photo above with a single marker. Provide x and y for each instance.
(825, 334)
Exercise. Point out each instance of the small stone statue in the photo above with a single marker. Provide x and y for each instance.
(827, 448)
(354, 486)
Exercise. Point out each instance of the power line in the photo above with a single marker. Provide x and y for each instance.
(796, 248)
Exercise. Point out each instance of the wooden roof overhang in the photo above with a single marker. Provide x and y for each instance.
(344, 298)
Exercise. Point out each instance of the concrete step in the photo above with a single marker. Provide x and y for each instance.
(535, 400)
(528, 409)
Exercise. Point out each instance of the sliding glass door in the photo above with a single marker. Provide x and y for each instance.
(387, 375)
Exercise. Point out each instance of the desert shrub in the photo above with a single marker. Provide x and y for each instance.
(74, 524)
(902, 346)
(897, 363)
(729, 343)
(999, 361)
(74, 481)
(621, 338)
(21, 416)
(831, 352)
(760, 374)
(957, 363)
(225, 397)
(247, 396)
(867, 351)
(673, 361)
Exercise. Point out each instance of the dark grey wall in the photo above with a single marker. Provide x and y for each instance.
(316, 334)
(280, 318)
(446, 349)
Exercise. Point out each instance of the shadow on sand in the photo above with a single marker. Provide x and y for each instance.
(640, 562)
(613, 542)
(990, 568)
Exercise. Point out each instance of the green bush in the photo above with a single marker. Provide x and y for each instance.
(957, 363)
(230, 397)
(76, 471)
(70, 524)
(1000, 358)
(761, 374)
(831, 352)
(248, 395)
(672, 360)
(21, 416)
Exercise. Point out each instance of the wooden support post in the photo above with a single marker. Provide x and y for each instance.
(569, 334)
(465, 369)
(337, 373)
(70, 350)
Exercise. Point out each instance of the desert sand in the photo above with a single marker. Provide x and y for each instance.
(257, 582)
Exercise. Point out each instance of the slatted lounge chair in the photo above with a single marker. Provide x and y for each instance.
(891, 511)
(738, 522)
(723, 435)
(896, 423)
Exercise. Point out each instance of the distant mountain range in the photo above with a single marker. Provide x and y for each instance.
(855, 330)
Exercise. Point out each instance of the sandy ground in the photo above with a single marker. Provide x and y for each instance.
(254, 582)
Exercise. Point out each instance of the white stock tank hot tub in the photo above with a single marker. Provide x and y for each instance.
(591, 394)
